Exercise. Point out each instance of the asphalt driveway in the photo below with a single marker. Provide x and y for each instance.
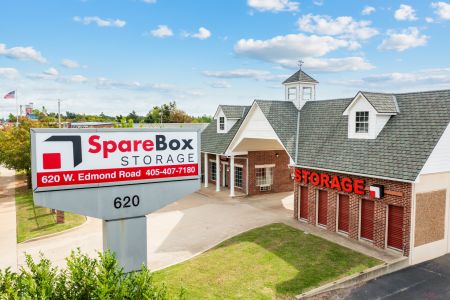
(428, 280)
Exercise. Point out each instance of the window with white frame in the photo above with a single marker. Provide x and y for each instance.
(292, 93)
(213, 170)
(222, 123)
(238, 177)
(307, 93)
(264, 176)
(362, 122)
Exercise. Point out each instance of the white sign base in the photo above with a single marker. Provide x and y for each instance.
(127, 238)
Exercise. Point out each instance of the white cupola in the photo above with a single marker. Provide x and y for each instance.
(300, 88)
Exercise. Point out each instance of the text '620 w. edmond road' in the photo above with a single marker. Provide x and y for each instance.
(104, 157)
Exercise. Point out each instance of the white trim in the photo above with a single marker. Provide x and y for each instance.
(244, 122)
(212, 160)
(350, 173)
(224, 163)
(264, 166)
(238, 165)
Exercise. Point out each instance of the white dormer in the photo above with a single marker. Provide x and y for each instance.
(300, 88)
(368, 113)
(227, 115)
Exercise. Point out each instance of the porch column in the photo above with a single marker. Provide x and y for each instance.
(232, 176)
(206, 170)
(217, 173)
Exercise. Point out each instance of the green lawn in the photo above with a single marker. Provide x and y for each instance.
(271, 262)
(29, 226)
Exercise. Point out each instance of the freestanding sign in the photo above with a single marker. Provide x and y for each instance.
(118, 175)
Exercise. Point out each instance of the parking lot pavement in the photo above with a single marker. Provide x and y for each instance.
(428, 280)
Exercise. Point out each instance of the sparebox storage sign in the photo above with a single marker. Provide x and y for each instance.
(118, 175)
(86, 158)
(111, 173)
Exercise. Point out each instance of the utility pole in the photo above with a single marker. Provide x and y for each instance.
(59, 113)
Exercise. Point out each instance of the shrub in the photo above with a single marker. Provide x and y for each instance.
(84, 278)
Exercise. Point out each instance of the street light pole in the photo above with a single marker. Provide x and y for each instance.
(59, 113)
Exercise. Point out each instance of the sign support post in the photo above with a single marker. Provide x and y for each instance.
(125, 238)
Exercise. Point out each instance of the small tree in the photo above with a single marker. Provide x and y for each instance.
(15, 147)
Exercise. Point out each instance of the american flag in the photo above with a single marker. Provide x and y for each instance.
(10, 95)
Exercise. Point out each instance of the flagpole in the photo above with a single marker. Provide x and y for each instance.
(17, 108)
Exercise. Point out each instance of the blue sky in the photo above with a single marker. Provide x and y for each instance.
(123, 55)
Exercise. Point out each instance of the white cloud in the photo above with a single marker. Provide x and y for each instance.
(427, 77)
(244, 73)
(149, 1)
(287, 48)
(319, 2)
(429, 20)
(100, 22)
(202, 34)
(343, 64)
(71, 64)
(9, 73)
(403, 40)
(368, 10)
(75, 79)
(51, 72)
(405, 13)
(162, 31)
(222, 84)
(23, 53)
(442, 9)
(273, 5)
(344, 26)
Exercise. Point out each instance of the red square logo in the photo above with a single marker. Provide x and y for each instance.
(51, 160)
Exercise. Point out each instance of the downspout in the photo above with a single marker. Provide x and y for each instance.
(296, 138)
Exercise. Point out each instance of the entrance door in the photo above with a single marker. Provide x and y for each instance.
(367, 216)
(303, 205)
(322, 204)
(343, 213)
(395, 227)
(224, 175)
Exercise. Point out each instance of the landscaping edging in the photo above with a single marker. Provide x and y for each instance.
(358, 278)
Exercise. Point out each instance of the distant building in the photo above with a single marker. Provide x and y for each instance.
(91, 125)
(200, 126)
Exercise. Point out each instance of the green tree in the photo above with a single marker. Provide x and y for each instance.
(15, 146)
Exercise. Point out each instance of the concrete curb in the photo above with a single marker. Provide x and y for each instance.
(87, 221)
(358, 278)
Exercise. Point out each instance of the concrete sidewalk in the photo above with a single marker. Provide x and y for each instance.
(8, 238)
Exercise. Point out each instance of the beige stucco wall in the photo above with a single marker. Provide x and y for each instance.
(425, 202)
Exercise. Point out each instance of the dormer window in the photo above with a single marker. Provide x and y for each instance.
(362, 122)
(292, 93)
(307, 93)
(222, 123)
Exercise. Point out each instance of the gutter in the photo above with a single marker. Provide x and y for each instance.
(296, 138)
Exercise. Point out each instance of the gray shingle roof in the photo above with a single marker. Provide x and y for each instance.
(400, 150)
(300, 76)
(213, 142)
(233, 111)
(282, 116)
(383, 103)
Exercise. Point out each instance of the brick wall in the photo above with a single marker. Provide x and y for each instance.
(282, 181)
(380, 208)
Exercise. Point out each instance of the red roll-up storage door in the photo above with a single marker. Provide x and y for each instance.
(367, 216)
(395, 227)
(322, 208)
(303, 202)
(344, 208)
